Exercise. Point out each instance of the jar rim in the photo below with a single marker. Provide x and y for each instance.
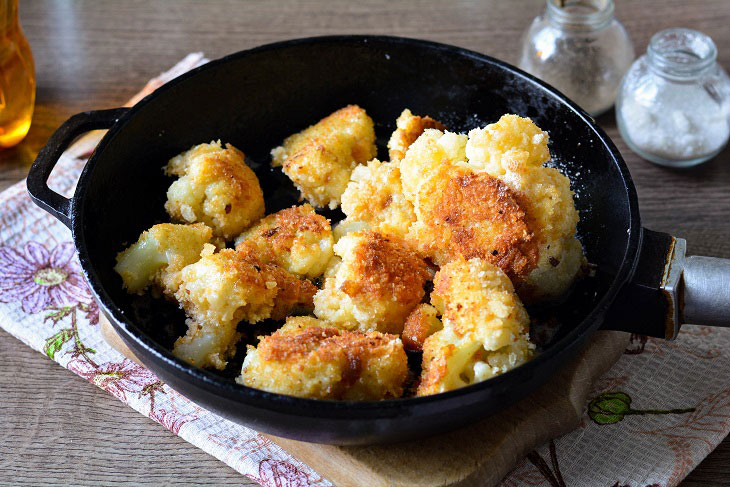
(681, 52)
(593, 14)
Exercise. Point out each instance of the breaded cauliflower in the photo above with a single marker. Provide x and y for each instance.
(377, 283)
(420, 324)
(408, 128)
(227, 287)
(320, 158)
(515, 150)
(297, 238)
(431, 157)
(486, 327)
(216, 187)
(207, 345)
(327, 363)
(460, 213)
(224, 288)
(375, 198)
(159, 254)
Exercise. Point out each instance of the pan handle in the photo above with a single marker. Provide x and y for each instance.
(670, 288)
(706, 291)
(37, 182)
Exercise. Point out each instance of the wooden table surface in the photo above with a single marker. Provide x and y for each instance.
(58, 429)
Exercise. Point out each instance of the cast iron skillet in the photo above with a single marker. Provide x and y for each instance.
(254, 99)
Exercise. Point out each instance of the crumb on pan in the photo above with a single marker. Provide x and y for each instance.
(216, 187)
(296, 238)
(408, 128)
(320, 158)
(159, 254)
(375, 197)
(327, 363)
(376, 284)
(485, 327)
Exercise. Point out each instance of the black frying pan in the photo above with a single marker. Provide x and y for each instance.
(254, 99)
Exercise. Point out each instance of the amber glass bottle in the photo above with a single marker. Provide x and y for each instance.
(17, 77)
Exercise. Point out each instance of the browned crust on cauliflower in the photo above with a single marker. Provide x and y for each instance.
(296, 238)
(327, 363)
(476, 215)
(216, 187)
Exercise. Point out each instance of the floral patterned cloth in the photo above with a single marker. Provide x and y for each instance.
(651, 419)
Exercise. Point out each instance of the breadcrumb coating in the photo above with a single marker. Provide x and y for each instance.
(224, 288)
(486, 327)
(327, 363)
(515, 150)
(375, 197)
(320, 159)
(420, 324)
(408, 128)
(216, 187)
(159, 254)
(375, 285)
(297, 238)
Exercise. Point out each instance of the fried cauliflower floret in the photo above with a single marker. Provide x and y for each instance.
(159, 254)
(227, 287)
(431, 157)
(408, 128)
(207, 345)
(327, 363)
(460, 213)
(224, 288)
(297, 238)
(375, 198)
(374, 286)
(515, 150)
(320, 158)
(420, 324)
(216, 187)
(486, 327)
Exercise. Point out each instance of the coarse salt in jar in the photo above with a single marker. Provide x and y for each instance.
(673, 106)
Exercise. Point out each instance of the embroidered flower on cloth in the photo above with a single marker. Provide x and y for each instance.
(115, 378)
(39, 278)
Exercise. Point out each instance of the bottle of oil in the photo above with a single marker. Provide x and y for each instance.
(17, 77)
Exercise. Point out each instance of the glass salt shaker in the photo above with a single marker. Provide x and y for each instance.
(673, 106)
(579, 47)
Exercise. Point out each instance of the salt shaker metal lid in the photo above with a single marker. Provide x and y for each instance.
(580, 48)
(673, 106)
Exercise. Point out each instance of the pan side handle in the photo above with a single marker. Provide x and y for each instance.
(40, 193)
(670, 288)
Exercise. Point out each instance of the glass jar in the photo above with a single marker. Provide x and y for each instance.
(17, 77)
(580, 48)
(673, 106)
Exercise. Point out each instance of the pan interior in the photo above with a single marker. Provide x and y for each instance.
(254, 100)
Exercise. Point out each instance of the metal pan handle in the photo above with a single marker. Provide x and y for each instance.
(706, 291)
(37, 182)
(670, 288)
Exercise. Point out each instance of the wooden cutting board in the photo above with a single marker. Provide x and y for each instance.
(478, 455)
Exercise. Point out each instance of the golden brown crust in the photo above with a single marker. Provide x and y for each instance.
(420, 324)
(293, 294)
(387, 268)
(476, 215)
(409, 128)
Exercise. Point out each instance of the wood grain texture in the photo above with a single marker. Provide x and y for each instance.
(96, 54)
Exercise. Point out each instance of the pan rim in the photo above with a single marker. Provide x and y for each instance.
(349, 410)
